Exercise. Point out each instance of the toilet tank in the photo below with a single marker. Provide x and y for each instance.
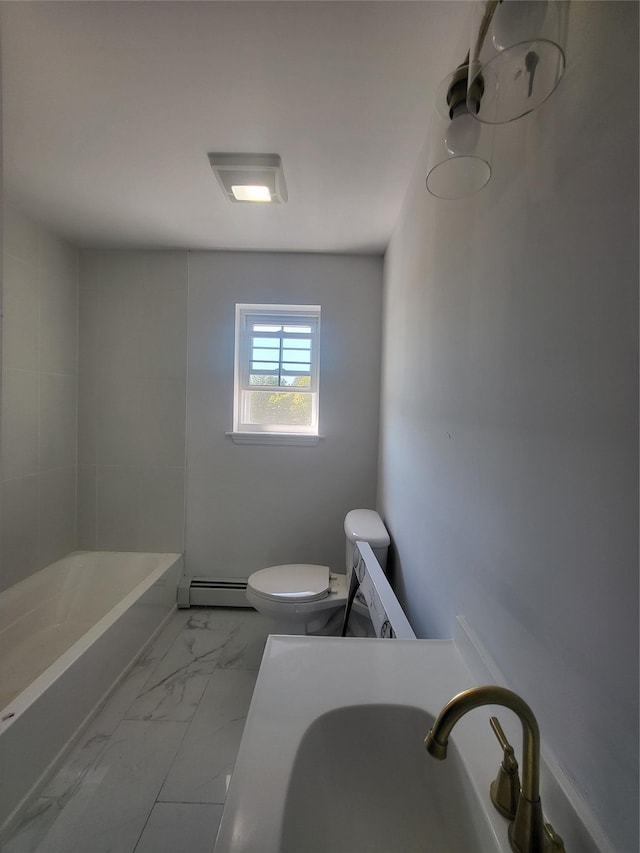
(365, 525)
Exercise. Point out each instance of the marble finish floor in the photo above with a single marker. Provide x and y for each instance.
(149, 774)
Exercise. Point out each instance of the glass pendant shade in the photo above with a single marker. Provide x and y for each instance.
(460, 147)
(516, 56)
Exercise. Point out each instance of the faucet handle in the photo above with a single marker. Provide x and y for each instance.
(505, 788)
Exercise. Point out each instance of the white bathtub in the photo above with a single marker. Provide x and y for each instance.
(67, 635)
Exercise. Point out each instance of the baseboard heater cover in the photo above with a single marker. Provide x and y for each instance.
(212, 592)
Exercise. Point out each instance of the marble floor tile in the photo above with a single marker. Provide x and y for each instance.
(94, 738)
(208, 752)
(180, 828)
(36, 822)
(210, 639)
(174, 697)
(141, 777)
(238, 634)
(109, 809)
(247, 633)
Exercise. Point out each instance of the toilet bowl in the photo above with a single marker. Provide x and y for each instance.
(305, 597)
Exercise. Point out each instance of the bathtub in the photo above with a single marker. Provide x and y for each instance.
(67, 635)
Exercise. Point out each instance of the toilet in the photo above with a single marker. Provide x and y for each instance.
(305, 597)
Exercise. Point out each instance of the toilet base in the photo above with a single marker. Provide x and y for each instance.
(359, 626)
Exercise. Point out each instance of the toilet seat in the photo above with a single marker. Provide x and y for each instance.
(295, 582)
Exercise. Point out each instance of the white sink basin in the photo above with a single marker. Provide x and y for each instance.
(332, 757)
(362, 781)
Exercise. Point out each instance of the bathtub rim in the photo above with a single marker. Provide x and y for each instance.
(125, 639)
(42, 682)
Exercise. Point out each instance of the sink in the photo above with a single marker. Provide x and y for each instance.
(332, 756)
(362, 782)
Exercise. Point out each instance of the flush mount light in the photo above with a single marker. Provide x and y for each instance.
(247, 178)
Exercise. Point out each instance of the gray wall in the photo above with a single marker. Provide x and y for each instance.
(39, 388)
(246, 506)
(509, 434)
(249, 506)
(131, 430)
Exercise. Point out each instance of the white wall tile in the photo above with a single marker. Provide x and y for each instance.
(117, 509)
(161, 497)
(57, 257)
(57, 514)
(122, 323)
(123, 269)
(58, 393)
(19, 423)
(89, 336)
(39, 333)
(89, 268)
(20, 235)
(117, 419)
(140, 509)
(132, 395)
(19, 533)
(58, 335)
(21, 314)
(167, 269)
(162, 422)
(162, 333)
(126, 420)
(87, 420)
(87, 512)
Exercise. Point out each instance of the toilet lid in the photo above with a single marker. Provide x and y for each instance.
(294, 582)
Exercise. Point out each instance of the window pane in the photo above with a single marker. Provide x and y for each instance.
(277, 368)
(278, 407)
(263, 379)
(280, 358)
(261, 327)
(300, 329)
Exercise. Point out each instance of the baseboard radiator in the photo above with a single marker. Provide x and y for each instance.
(212, 592)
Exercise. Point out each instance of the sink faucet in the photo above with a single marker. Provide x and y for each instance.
(527, 831)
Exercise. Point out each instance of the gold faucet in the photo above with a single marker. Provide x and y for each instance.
(527, 832)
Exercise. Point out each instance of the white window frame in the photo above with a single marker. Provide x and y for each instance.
(248, 433)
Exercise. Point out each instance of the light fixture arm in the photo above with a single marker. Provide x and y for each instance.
(517, 52)
(458, 91)
(489, 12)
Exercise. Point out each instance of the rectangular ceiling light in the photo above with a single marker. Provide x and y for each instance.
(246, 192)
(250, 177)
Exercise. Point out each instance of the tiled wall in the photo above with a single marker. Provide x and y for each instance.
(39, 396)
(132, 390)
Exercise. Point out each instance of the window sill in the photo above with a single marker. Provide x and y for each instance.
(275, 438)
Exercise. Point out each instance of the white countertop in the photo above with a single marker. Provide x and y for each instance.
(302, 678)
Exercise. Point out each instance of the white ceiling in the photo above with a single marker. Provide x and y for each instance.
(110, 109)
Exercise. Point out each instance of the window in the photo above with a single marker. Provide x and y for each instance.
(276, 371)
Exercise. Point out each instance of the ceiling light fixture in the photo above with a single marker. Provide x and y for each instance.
(248, 178)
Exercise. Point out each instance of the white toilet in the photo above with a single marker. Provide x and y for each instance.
(305, 597)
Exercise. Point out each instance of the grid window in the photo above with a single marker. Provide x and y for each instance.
(276, 369)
